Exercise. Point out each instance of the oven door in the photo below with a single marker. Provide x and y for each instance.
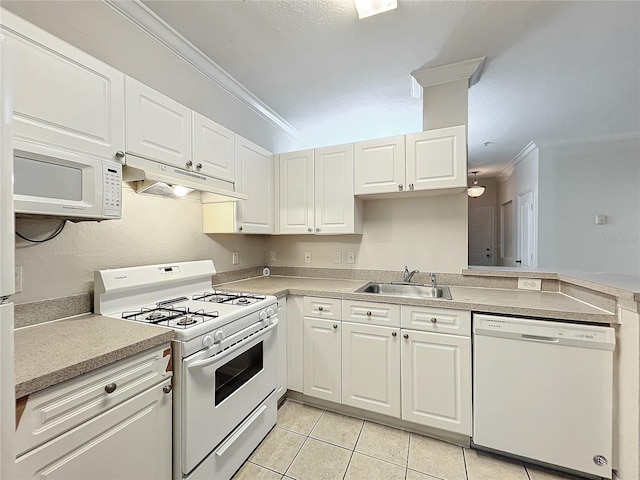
(221, 390)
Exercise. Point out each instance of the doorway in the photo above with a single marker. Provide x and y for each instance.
(482, 236)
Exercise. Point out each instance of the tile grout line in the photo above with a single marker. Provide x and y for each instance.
(464, 457)
(354, 450)
(303, 443)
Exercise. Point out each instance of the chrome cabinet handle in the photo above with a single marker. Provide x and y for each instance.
(240, 228)
(110, 388)
(309, 229)
(167, 388)
(189, 164)
(368, 314)
(317, 229)
(335, 326)
(394, 334)
(411, 186)
(119, 154)
(198, 166)
(400, 187)
(434, 319)
(406, 335)
(320, 309)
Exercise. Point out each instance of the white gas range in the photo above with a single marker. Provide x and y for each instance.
(225, 359)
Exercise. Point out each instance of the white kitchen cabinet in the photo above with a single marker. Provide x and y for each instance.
(437, 159)
(158, 127)
(380, 165)
(436, 380)
(295, 343)
(254, 176)
(315, 192)
(63, 96)
(114, 422)
(213, 148)
(282, 347)
(425, 161)
(371, 368)
(322, 359)
(295, 192)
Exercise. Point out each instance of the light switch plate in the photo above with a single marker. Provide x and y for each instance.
(337, 257)
(236, 258)
(529, 284)
(272, 255)
(307, 257)
(351, 257)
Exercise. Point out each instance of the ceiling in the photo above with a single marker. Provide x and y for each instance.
(555, 71)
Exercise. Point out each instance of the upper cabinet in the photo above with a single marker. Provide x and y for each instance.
(431, 160)
(316, 192)
(158, 127)
(63, 96)
(213, 148)
(380, 165)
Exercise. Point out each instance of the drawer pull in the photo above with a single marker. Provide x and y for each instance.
(406, 336)
(110, 388)
(335, 326)
(368, 314)
(394, 334)
(434, 320)
(320, 309)
(167, 388)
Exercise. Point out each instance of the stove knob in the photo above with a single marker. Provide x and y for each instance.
(218, 336)
(269, 312)
(207, 341)
(263, 315)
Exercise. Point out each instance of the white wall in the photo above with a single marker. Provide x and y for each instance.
(152, 230)
(428, 233)
(576, 183)
(519, 176)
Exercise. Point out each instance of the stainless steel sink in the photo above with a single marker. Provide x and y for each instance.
(406, 290)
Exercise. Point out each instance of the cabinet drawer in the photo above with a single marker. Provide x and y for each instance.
(57, 409)
(442, 320)
(371, 313)
(318, 307)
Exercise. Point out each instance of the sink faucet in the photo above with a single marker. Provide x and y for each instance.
(433, 280)
(409, 275)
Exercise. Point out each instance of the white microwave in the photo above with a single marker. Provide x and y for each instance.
(52, 181)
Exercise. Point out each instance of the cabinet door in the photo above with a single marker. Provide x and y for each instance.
(213, 148)
(380, 165)
(131, 440)
(335, 209)
(295, 196)
(371, 368)
(62, 96)
(322, 359)
(436, 380)
(254, 176)
(437, 159)
(282, 347)
(158, 127)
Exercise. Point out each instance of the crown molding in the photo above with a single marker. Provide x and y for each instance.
(508, 169)
(469, 70)
(154, 26)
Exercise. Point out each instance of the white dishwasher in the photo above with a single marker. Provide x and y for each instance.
(543, 390)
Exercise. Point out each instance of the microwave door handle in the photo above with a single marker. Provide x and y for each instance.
(230, 350)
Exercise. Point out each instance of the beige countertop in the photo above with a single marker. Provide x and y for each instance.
(554, 305)
(50, 353)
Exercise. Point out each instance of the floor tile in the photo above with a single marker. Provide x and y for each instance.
(338, 429)
(362, 467)
(277, 450)
(319, 461)
(539, 473)
(251, 471)
(437, 458)
(383, 442)
(298, 417)
(484, 466)
(413, 475)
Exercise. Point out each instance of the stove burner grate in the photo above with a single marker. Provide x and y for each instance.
(175, 317)
(234, 298)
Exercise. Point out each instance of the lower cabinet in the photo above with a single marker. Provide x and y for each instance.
(322, 359)
(436, 380)
(282, 347)
(371, 368)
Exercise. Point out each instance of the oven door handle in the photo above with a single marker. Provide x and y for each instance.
(225, 446)
(230, 350)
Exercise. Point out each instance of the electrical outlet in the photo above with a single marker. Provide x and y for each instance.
(529, 284)
(18, 280)
(351, 257)
(337, 257)
(236, 258)
(307, 257)
(272, 255)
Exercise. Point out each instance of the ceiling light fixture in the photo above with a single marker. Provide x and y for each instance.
(475, 190)
(367, 8)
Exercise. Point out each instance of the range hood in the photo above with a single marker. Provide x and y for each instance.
(155, 178)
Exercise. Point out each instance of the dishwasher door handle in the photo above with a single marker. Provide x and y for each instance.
(539, 338)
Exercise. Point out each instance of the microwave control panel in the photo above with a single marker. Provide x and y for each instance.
(112, 188)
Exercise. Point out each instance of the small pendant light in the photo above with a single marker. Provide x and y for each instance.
(475, 190)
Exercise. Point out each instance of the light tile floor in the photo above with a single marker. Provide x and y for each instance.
(313, 444)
